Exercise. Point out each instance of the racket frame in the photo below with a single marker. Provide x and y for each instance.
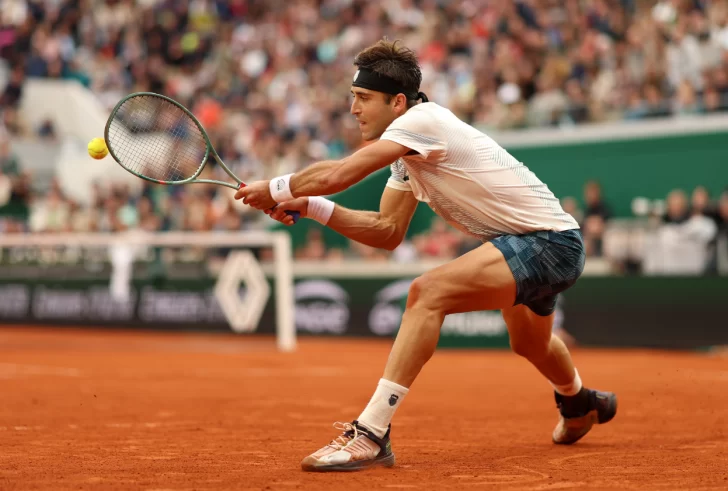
(209, 151)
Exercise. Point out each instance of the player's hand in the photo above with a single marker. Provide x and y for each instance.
(279, 213)
(257, 195)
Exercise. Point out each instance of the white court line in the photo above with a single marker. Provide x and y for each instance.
(150, 424)
(143, 425)
(10, 370)
(286, 372)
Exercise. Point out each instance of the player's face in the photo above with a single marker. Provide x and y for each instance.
(372, 112)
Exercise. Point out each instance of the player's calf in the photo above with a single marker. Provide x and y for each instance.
(534, 348)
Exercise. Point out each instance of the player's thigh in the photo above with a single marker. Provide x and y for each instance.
(478, 280)
(527, 330)
(544, 264)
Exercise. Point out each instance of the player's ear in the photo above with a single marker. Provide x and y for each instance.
(400, 103)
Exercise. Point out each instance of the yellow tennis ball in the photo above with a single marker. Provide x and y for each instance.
(97, 148)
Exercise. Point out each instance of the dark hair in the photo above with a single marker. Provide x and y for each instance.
(392, 59)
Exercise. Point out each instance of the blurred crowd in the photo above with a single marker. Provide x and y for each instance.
(270, 79)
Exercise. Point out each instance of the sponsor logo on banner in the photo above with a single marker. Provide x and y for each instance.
(94, 303)
(14, 301)
(322, 306)
(386, 314)
(180, 306)
(480, 323)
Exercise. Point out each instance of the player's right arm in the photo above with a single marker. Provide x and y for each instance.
(383, 229)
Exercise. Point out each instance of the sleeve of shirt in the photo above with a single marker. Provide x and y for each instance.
(398, 180)
(415, 129)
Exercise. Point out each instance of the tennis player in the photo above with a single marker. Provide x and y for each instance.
(531, 250)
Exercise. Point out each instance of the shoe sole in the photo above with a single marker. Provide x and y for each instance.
(387, 461)
(589, 420)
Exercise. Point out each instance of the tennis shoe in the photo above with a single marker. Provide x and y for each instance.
(355, 449)
(580, 412)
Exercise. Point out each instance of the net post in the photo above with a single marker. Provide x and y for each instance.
(285, 319)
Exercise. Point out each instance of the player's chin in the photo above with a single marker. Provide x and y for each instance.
(369, 136)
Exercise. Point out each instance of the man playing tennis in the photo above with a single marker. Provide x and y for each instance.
(531, 251)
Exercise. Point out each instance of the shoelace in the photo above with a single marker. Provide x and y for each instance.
(343, 440)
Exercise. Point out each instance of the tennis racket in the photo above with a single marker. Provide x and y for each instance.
(158, 139)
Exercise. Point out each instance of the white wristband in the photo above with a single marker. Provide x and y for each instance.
(280, 188)
(320, 209)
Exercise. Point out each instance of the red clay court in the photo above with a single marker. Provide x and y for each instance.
(88, 409)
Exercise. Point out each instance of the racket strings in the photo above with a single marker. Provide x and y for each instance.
(153, 137)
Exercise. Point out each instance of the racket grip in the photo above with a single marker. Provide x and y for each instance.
(294, 214)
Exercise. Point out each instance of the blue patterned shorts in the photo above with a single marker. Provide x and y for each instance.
(544, 264)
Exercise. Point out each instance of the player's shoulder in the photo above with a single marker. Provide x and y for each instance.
(427, 108)
(422, 118)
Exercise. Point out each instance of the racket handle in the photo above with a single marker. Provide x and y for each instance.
(294, 214)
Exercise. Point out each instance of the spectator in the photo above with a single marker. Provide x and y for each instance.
(51, 214)
(440, 243)
(596, 216)
(595, 204)
(722, 212)
(703, 208)
(14, 89)
(11, 122)
(570, 206)
(9, 164)
(686, 101)
(722, 242)
(578, 106)
(701, 204)
(677, 211)
(367, 253)
(315, 247)
(16, 211)
(681, 244)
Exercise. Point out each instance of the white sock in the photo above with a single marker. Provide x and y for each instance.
(380, 410)
(569, 389)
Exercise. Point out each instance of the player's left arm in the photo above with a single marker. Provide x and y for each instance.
(323, 178)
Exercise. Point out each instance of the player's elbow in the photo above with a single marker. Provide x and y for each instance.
(393, 237)
(391, 245)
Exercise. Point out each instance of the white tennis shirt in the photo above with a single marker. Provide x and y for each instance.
(468, 179)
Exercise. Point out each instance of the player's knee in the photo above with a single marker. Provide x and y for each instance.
(530, 347)
(428, 292)
(424, 293)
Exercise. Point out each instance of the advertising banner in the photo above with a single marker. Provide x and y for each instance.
(675, 313)
(334, 307)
